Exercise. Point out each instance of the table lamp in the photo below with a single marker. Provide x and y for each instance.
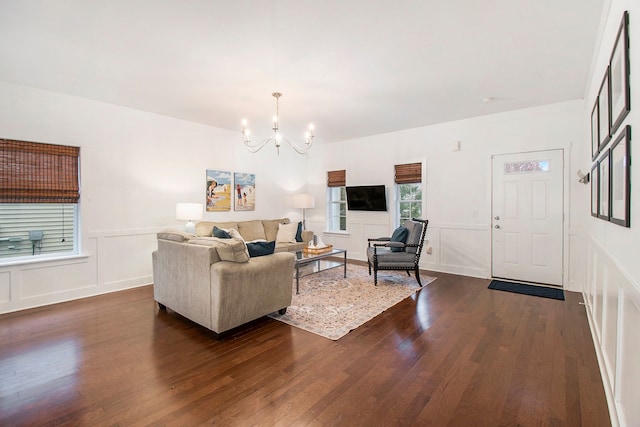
(304, 201)
(189, 212)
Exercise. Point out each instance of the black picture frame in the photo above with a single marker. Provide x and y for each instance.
(604, 112)
(604, 181)
(594, 190)
(595, 130)
(619, 76)
(620, 185)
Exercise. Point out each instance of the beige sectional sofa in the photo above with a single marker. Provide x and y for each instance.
(215, 283)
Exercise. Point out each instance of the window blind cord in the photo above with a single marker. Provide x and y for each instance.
(63, 239)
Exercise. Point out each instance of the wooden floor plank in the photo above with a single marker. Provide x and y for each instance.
(454, 353)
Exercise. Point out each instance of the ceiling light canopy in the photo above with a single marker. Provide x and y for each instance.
(277, 137)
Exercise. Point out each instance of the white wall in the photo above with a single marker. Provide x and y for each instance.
(135, 166)
(458, 183)
(611, 272)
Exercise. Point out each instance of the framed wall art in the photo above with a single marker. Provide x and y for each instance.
(604, 113)
(620, 185)
(619, 71)
(595, 131)
(244, 191)
(594, 190)
(603, 186)
(218, 191)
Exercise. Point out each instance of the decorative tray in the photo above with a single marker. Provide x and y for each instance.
(308, 250)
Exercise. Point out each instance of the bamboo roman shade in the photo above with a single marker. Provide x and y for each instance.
(337, 178)
(32, 172)
(409, 173)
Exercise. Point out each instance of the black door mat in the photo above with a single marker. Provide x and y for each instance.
(519, 288)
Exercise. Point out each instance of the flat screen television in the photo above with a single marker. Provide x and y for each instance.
(366, 198)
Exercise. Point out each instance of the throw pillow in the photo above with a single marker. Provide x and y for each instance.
(227, 249)
(287, 233)
(261, 248)
(400, 234)
(233, 250)
(299, 232)
(235, 234)
(220, 233)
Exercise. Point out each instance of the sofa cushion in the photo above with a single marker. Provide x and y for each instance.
(271, 227)
(220, 233)
(228, 249)
(175, 236)
(287, 233)
(205, 228)
(257, 249)
(251, 230)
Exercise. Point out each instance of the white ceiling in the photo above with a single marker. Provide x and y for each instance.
(353, 67)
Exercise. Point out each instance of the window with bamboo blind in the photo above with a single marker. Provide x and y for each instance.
(39, 193)
(408, 179)
(336, 200)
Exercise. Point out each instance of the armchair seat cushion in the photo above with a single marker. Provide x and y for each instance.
(389, 259)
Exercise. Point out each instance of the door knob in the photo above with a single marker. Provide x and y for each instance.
(497, 226)
(496, 217)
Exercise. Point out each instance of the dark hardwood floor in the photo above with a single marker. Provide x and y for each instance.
(455, 353)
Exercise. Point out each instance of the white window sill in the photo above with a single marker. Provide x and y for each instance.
(339, 233)
(41, 259)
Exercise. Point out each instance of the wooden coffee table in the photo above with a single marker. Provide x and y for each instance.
(319, 263)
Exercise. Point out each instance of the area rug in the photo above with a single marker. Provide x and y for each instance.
(519, 288)
(330, 305)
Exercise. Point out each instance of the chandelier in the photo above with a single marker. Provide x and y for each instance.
(277, 137)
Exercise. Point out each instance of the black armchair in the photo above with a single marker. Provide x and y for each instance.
(385, 254)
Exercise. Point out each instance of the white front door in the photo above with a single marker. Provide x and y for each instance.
(527, 216)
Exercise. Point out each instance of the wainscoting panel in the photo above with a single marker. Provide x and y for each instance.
(56, 277)
(126, 256)
(463, 249)
(5, 287)
(628, 374)
(110, 261)
(613, 308)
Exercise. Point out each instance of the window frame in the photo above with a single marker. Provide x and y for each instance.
(336, 201)
(408, 174)
(336, 205)
(39, 182)
(399, 201)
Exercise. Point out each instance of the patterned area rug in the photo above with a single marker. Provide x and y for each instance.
(331, 306)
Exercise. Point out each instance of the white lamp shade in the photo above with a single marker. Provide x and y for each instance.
(189, 211)
(304, 201)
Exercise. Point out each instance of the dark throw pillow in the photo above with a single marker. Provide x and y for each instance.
(299, 233)
(400, 234)
(261, 248)
(220, 233)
